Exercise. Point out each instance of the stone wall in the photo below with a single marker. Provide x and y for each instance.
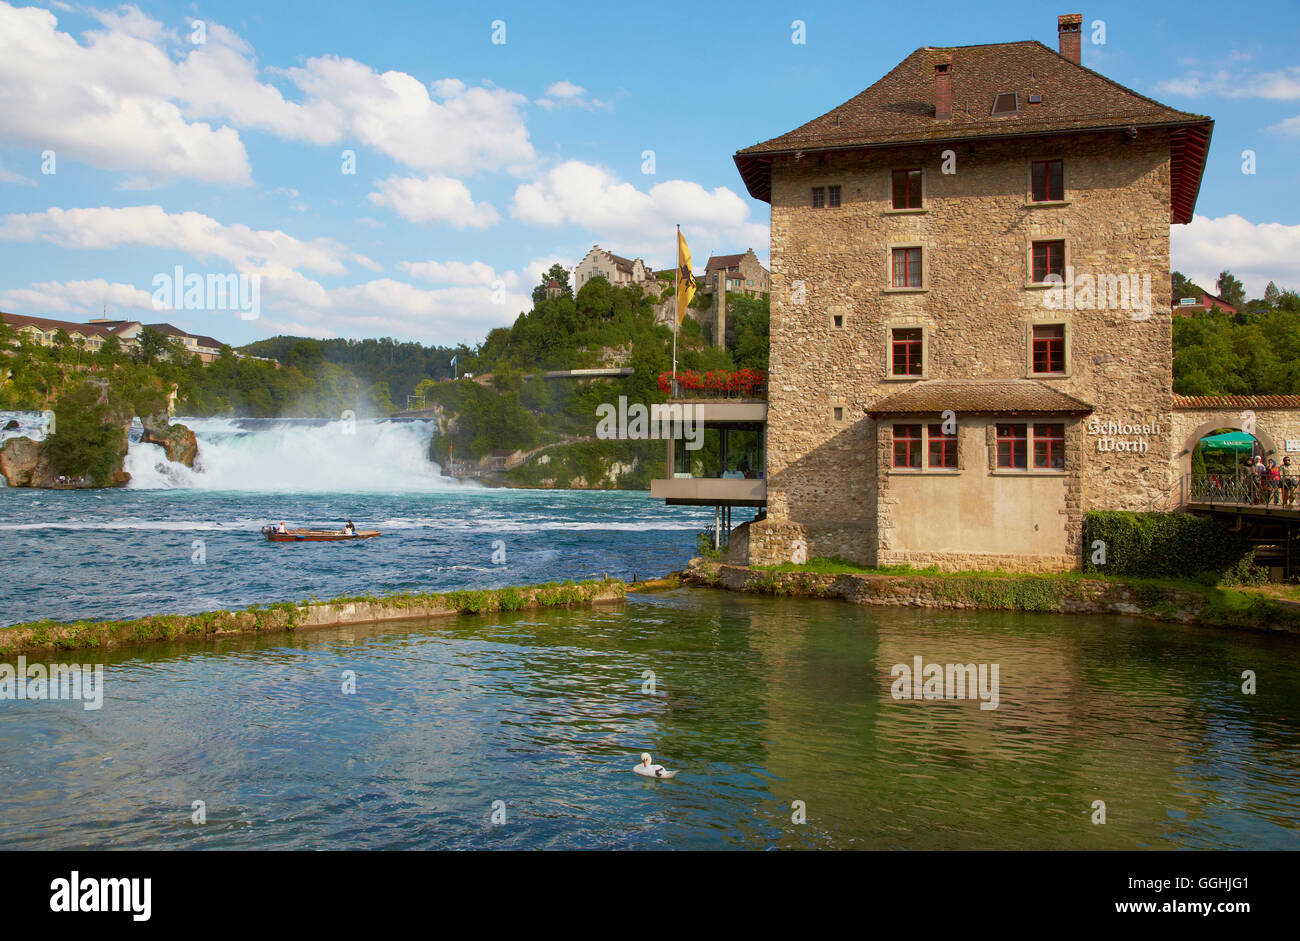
(1063, 595)
(976, 312)
(1273, 427)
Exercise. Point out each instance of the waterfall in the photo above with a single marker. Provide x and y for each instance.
(296, 456)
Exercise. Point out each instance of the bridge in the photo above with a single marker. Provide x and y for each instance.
(1269, 516)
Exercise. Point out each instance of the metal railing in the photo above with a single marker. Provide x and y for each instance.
(1244, 489)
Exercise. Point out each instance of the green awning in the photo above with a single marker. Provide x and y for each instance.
(1234, 441)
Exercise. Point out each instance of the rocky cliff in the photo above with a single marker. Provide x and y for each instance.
(177, 440)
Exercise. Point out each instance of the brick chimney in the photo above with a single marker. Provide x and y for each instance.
(1068, 31)
(943, 89)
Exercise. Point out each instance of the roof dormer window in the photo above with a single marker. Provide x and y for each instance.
(1006, 103)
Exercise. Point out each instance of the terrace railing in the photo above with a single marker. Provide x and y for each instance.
(1240, 490)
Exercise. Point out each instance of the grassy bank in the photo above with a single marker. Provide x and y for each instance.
(1181, 601)
(290, 616)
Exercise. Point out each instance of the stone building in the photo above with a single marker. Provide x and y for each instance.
(971, 312)
(744, 274)
(617, 270)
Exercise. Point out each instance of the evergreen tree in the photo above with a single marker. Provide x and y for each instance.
(1231, 290)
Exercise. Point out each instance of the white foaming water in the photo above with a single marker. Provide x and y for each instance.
(364, 456)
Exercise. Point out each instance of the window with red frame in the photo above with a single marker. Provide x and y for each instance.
(905, 352)
(1049, 259)
(1049, 348)
(907, 189)
(1049, 446)
(907, 446)
(1048, 180)
(1011, 446)
(943, 447)
(907, 268)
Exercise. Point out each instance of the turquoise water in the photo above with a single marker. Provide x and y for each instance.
(757, 702)
(87, 554)
(771, 709)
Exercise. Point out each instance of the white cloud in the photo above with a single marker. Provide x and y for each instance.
(107, 102)
(218, 79)
(1255, 253)
(136, 98)
(433, 200)
(457, 272)
(1280, 85)
(368, 263)
(442, 315)
(444, 126)
(192, 232)
(565, 94)
(9, 176)
(632, 220)
(76, 297)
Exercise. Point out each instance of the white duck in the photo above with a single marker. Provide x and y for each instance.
(647, 770)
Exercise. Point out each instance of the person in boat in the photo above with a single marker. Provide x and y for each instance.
(349, 529)
(281, 528)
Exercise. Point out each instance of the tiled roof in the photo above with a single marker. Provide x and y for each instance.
(979, 396)
(45, 324)
(899, 109)
(723, 261)
(168, 330)
(1231, 402)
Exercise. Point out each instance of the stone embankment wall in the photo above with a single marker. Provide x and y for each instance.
(1062, 594)
(287, 616)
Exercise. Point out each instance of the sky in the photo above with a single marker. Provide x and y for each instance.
(410, 169)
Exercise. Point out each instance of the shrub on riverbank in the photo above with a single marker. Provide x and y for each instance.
(1168, 545)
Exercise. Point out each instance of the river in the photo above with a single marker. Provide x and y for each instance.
(521, 731)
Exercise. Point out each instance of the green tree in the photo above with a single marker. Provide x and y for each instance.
(87, 442)
(1231, 290)
(1182, 287)
(109, 351)
(1272, 296)
(560, 274)
(153, 345)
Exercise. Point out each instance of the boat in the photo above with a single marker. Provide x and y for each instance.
(316, 535)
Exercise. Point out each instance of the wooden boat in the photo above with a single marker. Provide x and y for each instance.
(317, 535)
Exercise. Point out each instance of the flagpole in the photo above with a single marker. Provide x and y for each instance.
(677, 296)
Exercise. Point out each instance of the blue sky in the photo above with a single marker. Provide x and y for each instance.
(478, 163)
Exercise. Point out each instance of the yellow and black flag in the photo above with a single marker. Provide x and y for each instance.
(685, 280)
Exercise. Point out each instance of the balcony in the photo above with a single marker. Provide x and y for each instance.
(742, 384)
(724, 461)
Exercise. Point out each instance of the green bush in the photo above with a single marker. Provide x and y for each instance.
(1166, 545)
(89, 441)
